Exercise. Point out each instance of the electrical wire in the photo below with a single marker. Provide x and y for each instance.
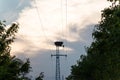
(42, 26)
(40, 20)
(62, 35)
(61, 32)
(67, 32)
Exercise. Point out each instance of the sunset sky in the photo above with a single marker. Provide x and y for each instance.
(42, 22)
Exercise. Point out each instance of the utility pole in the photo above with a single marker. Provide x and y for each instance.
(57, 55)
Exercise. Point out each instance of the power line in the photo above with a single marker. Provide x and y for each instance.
(40, 20)
(41, 23)
(58, 44)
(62, 18)
(66, 20)
(39, 17)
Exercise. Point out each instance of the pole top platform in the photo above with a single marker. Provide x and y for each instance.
(58, 43)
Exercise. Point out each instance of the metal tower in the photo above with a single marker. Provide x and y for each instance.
(58, 44)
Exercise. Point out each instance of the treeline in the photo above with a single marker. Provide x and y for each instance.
(102, 61)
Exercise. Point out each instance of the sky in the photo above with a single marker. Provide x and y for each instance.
(42, 22)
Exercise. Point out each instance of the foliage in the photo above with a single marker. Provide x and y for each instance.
(102, 61)
(113, 0)
(40, 77)
(11, 68)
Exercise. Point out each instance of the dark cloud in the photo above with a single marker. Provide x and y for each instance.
(84, 39)
(86, 33)
(41, 60)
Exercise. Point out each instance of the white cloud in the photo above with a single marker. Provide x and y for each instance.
(37, 33)
(43, 25)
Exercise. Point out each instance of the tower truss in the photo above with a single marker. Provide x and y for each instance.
(57, 55)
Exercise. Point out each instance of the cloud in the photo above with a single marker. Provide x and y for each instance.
(43, 23)
(9, 10)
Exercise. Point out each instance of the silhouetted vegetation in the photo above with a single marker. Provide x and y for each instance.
(11, 68)
(102, 61)
(40, 77)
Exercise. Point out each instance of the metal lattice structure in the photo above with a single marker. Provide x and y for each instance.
(57, 55)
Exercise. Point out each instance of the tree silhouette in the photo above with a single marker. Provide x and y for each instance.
(102, 61)
(11, 68)
(40, 77)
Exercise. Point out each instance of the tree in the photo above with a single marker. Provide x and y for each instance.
(113, 0)
(40, 77)
(102, 61)
(11, 68)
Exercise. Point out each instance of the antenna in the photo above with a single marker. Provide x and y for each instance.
(57, 55)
